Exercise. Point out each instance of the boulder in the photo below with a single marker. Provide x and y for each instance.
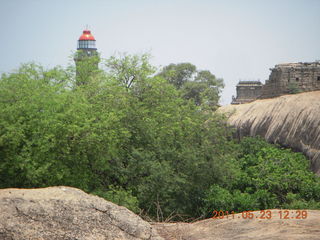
(68, 214)
(65, 213)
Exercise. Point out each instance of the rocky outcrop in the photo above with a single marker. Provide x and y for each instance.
(290, 120)
(64, 213)
(68, 214)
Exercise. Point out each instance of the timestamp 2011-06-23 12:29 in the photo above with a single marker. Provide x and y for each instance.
(262, 214)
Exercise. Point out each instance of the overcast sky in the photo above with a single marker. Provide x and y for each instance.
(235, 40)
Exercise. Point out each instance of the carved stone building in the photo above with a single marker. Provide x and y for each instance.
(284, 79)
(289, 77)
(247, 91)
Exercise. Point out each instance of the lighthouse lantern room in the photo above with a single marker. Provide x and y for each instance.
(86, 41)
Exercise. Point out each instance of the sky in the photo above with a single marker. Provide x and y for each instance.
(234, 39)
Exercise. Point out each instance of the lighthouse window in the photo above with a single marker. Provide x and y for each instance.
(297, 79)
(86, 44)
(91, 44)
(318, 78)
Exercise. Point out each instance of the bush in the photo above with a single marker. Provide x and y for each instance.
(269, 177)
(120, 197)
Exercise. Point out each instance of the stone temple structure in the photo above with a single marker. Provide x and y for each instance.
(284, 79)
(247, 91)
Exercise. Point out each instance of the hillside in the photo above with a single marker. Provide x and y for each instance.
(67, 213)
(289, 120)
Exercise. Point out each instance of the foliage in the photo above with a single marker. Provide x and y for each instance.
(51, 135)
(201, 87)
(269, 177)
(123, 134)
(178, 74)
(128, 69)
(170, 147)
(120, 197)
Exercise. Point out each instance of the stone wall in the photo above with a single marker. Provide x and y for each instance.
(247, 91)
(284, 79)
(292, 77)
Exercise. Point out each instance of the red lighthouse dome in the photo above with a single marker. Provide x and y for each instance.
(86, 41)
(86, 35)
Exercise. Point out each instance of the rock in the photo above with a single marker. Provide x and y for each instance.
(68, 214)
(236, 227)
(65, 213)
(291, 120)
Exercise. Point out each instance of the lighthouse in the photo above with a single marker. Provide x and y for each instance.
(86, 58)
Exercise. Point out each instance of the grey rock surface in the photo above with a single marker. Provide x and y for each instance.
(290, 120)
(57, 213)
(68, 214)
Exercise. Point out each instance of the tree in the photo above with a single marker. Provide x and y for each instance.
(128, 69)
(172, 155)
(201, 87)
(51, 135)
(178, 74)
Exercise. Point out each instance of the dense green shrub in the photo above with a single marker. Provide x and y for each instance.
(269, 177)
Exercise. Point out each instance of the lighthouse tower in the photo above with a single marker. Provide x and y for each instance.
(86, 57)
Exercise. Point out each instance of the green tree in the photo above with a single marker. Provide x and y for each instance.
(51, 135)
(173, 154)
(201, 87)
(128, 69)
(178, 74)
